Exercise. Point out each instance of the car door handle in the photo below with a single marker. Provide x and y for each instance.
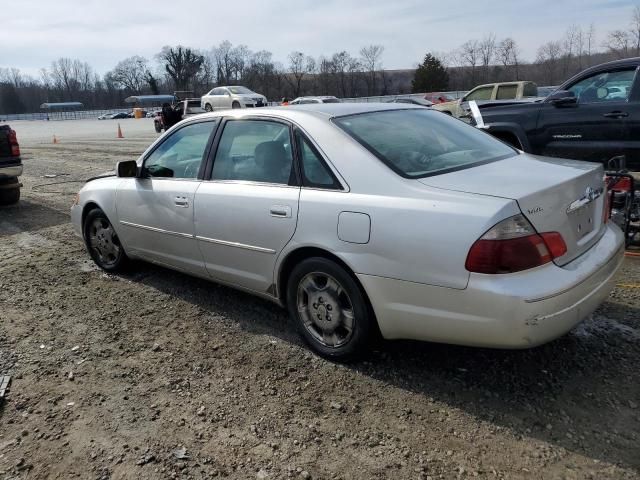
(615, 114)
(281, 211)
(182, 202)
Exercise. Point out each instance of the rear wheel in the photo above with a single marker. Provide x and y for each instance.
(103, 243)
(330, 310)
(235, 105)
(9, 191)
(158, 127)
(208, 107)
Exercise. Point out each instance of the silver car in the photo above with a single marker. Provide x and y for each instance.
(365, 219)
(222, 98)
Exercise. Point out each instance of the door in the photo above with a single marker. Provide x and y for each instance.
(248, 211)
(155, 211)
(594, 128)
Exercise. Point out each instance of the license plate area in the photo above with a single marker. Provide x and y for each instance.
(582, 220)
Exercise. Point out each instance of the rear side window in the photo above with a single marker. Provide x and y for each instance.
(507, 92)
(254, 151)
(530, 90)
(418, 143)
(314, 171)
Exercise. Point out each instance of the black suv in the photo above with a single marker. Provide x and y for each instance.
(593, 116)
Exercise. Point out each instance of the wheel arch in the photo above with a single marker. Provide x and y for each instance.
(504, 131)
(299, 254)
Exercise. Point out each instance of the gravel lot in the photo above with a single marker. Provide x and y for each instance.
(158, 375)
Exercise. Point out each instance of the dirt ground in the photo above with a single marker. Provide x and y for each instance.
(158, 375)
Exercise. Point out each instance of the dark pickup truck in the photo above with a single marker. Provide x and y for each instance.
(10, 166)
(593, 116)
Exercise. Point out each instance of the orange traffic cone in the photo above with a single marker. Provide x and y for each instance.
(55, 140)
(120, 132)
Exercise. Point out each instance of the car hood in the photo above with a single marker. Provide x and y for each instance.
(555, 195)
(438, 106)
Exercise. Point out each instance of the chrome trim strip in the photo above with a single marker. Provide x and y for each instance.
(158, 230)
(236, 245)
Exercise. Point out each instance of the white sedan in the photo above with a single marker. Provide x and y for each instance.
(365, 219)
(222, 98)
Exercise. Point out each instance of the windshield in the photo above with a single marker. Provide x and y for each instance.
(239, 90)
(420, 142)
(330, 100)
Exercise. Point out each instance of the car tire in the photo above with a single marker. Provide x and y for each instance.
(9, 191)
(235, 105)
(330, 309)
(208, 107)
(157, 126)
(103, 243)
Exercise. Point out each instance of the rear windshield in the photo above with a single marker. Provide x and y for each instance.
(420, 142)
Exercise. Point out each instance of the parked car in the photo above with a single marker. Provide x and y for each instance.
(221, 98)
(412, 101)
(309, 100)
(486, 93)
(436, 98)
(10, 166)
(593, 116)
(365, 218)
(113, 116)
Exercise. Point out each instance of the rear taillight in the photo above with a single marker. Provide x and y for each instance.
(13, 143)
(512, 246)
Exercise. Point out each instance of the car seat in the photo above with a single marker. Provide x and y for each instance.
(273, 162)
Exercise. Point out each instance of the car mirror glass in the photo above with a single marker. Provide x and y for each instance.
(127, 169)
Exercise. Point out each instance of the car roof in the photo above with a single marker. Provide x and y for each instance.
(626, 62)
(319, 110)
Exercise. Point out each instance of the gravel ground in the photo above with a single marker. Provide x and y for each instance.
(158, 375)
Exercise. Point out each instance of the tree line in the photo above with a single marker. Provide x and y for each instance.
(342, 73)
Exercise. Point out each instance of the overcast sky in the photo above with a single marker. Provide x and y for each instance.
(102, 32)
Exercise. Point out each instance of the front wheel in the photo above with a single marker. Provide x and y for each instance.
(235, 105)
(158, 127)
(208, 107)
(103, 243)
(330, 309)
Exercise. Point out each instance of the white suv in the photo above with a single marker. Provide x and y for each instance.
(221, 98)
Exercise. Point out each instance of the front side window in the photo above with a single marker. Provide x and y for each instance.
(604, 87)
(314, 171)
(483, 93)
(254, 151)
(181, 154)
(421, 142)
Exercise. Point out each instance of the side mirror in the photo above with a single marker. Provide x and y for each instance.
(127, 168)
(562, 97)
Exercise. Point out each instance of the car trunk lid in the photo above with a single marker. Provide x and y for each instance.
(555, 195)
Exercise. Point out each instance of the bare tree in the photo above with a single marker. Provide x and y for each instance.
(131, 73)
(619, 42)
(487, 49)
(469, 55)
(548, 56)
(299, 66)
(223, 62)
(591, 39)
(508, 53)
(370, 58)
(240, 56)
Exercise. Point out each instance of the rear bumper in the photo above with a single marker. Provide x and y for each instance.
(11, 171)
(518, 310)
